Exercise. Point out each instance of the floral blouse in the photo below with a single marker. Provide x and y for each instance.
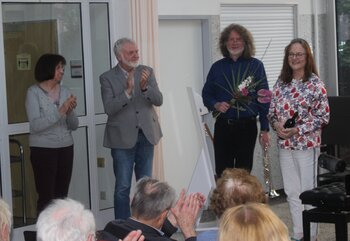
(309, 99)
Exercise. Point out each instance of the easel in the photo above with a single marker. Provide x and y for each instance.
(203, 175)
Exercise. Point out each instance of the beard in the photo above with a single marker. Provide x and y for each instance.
(130, 63)
(235, 52)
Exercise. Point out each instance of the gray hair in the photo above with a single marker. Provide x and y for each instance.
(118, 45)
(65, 220)
(5, 215)
(152, 197)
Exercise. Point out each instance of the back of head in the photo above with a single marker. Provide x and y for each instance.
(5, 220)
(65, 220)
(151, 198)
(253, 222)
(235, 187)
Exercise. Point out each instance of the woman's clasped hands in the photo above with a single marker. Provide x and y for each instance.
(284, 133)
(68, 105)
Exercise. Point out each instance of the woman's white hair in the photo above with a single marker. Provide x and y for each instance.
(5, 215)
(65, 220)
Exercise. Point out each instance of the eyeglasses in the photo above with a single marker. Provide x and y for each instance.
(296, 55)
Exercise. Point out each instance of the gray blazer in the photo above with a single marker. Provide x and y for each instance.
(126, 116)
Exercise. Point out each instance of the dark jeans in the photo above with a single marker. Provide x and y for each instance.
(52, 169)
(234, 143)
(138, 158)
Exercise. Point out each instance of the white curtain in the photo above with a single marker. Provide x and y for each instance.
(144, 27)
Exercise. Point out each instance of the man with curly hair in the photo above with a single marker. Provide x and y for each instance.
(231, 91)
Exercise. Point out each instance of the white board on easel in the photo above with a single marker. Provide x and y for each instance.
(202, 179)
(203, 176)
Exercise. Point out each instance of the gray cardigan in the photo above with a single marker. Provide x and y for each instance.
(47, 127)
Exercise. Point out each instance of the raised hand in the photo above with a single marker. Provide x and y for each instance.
(144, 79)
(186, 212)
(68, 105)
(176, 209)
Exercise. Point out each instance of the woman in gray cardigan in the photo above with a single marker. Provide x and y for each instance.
(50, 110)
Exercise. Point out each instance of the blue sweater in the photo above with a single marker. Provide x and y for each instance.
(225, 75)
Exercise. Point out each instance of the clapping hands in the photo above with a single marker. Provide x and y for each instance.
(143, 82)
(144, 79)
(68, 105)
(185, 212)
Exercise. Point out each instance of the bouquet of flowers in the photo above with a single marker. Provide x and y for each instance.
(241, 90)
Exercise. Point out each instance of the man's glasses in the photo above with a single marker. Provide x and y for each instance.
(296, 55)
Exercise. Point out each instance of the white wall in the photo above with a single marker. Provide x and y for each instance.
(120, 20)
(180, 66)
(212, 7)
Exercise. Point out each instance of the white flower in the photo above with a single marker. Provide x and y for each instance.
(245, 83)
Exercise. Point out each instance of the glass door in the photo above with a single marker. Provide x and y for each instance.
(78, 30)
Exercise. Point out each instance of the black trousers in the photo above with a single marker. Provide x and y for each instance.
(234, 143)
(52, 169)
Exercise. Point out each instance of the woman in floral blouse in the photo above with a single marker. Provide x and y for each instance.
(299, 89)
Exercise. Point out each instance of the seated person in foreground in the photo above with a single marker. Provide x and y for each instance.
(153, 213)
(68, 220)
(65, 220)
(5, 221)
(252, 222)
(235, 186)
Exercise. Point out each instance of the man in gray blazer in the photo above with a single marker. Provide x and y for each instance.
(129, 92)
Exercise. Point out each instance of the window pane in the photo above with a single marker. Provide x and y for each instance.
(100, 48)
(23, 187)
(343, 42)
(30, 30)
(79, 188)
(24, 194)
(105, 173)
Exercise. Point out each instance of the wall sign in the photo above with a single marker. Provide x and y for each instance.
(23, 61)
(76, 68)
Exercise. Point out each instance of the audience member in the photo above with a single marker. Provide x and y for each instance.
(5, 221)
(152, 203)
(68, 220)
(65, 220)
(235, 187)
(253, 222)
